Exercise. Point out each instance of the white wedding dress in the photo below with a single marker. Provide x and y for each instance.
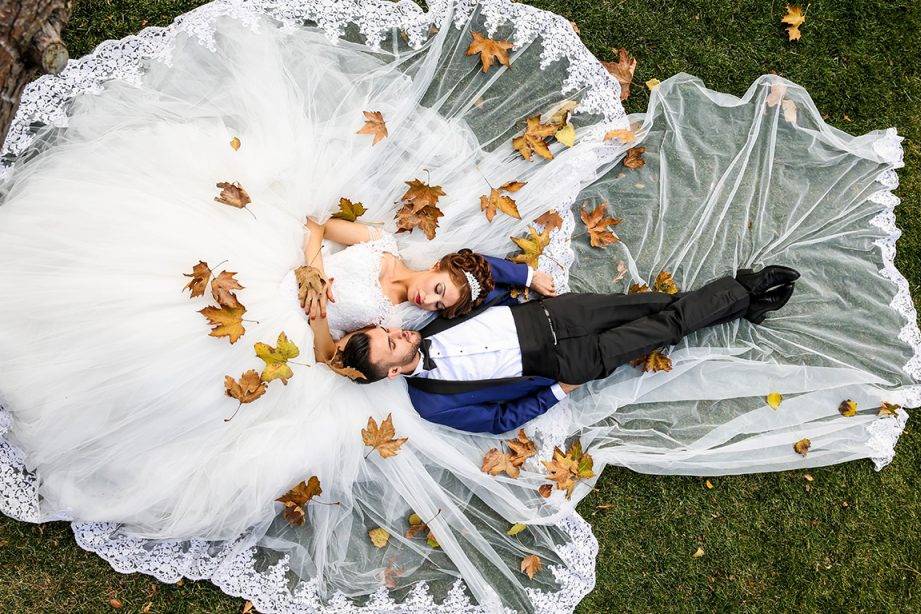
(112, 391)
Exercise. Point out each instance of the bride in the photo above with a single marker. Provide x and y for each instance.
(190, 157)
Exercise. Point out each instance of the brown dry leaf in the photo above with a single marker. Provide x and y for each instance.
(116, 603)
(523, 292)
(621, 271)
(545, 490)
(425, 220)
(778, 89)
(531, 246)
(382, 438)
(235, 143)
(597, 224)
(847, 408)
(379, 537)
(225, 321)
(550, 220)
(248, 389)
(653, 362)
(561, 113)
(575, 28)
(496, 462)
(276, 359)
(391, 574)
(638, 289)
(200, 274)
(622, 70)
(374, 124)
(888, 409)
(566, 469)
(789, 110)
(309, 283)
(415, 526)
(232, 194)
(522, 448)
(496, 200)
(222, 288)
(335, 364)
(348, 210)
(513, 186)
(802, 446)
(490, 50)
(420, 195)
(530, 565)
(634, 158)
(296, 500)
(625, 136)
(665, 283)
(794, 18)
(149, 605)
(532, 141)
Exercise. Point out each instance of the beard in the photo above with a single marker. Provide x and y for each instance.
(414, 339)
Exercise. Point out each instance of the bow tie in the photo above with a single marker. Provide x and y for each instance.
(427, 363)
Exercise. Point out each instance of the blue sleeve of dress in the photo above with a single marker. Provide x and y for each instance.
(496, 416)
(507, 273)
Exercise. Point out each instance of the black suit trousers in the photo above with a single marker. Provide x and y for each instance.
(590, 335)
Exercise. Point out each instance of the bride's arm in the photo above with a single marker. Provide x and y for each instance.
(350, 233)
(323, 345)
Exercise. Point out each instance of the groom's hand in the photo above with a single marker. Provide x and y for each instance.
(567, 388)
(543, 283)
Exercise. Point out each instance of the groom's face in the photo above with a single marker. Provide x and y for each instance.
(394, 348)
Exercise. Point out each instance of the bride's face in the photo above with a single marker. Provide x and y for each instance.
(433, 290)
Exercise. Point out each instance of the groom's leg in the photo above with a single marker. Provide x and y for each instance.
(579, 314)
(595, 356)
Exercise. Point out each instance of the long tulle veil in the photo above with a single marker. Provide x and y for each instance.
(726, 182)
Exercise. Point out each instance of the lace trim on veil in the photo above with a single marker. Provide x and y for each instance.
(232, 565)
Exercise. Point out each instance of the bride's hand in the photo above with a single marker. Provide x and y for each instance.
(314, 303)
(543, 283)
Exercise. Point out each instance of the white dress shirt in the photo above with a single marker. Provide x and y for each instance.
(483, 347)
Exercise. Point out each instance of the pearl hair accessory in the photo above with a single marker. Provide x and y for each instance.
(474, 286)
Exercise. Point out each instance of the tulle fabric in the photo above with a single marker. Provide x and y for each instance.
(116, 391)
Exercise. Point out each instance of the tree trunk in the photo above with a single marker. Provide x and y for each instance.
(30, 42)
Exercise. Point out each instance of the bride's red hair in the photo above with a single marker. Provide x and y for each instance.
(455, 264)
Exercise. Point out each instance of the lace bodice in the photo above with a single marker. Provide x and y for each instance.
(360, 299)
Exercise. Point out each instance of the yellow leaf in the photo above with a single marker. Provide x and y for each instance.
(517, 528)
(802, 446)
(276, 359)
(698, 553)
(709, 485)
(566, 135)
(225, 321)
(774, 399)
(531, 247)
(430, 540)
(348, 210)
(496, 200)
(379, 537)
(532, 141)
(847, 408)
(235, 143)
(794, 17)
(653, 84)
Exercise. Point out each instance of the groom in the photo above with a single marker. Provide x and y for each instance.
(505, 365)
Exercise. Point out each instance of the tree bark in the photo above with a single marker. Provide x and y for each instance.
(30, 43)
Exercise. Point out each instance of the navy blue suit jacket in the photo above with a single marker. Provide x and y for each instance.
(491, 406)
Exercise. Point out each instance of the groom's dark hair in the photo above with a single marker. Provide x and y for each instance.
(357, 355)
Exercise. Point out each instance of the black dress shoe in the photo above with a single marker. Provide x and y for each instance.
(765, 279)
(772, 300)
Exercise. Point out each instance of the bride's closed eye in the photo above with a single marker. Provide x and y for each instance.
(440, 291)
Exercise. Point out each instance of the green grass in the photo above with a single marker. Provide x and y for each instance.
(847, 543)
